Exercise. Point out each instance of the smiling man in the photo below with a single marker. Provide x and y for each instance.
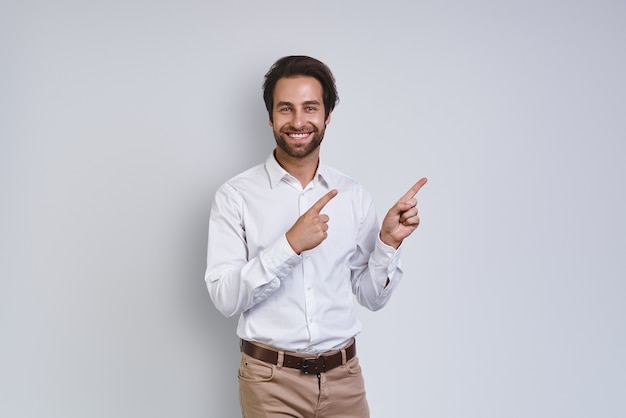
(292, 242)
(299, 127)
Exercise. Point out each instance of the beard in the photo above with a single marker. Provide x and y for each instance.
(299, 150)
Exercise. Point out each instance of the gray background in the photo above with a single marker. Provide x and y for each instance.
(119, 119)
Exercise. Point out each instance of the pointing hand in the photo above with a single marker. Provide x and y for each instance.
(311, 228)
(402, 219)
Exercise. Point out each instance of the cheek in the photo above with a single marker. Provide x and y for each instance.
(279, 122)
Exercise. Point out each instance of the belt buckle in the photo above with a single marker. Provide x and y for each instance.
(314, 363)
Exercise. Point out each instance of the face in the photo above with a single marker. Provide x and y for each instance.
(298, 116)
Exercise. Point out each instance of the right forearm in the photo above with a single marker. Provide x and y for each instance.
(237, 287)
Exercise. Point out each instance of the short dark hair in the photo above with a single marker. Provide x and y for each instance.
(300, 65)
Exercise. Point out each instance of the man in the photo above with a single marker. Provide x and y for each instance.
(290, 242)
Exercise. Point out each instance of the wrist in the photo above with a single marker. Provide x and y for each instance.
(293, 247)
(388, 240)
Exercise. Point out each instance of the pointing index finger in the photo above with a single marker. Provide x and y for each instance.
(413, 190)
(319, 205)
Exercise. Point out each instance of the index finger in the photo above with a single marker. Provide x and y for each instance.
(319, 205)
(413, 190)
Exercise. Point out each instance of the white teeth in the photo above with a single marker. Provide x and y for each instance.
(298, 136)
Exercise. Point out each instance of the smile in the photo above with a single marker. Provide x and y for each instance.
(299, 135)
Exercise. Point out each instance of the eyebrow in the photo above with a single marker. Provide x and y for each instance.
(306, 103)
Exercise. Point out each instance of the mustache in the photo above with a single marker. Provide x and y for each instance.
(290, 128)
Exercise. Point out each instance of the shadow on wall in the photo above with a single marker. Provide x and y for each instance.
(249, 145)
(212, 336)
(222, 361)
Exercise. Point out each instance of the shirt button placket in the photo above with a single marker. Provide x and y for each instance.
(309, 294)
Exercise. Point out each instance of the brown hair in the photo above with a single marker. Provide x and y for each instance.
(300, 65)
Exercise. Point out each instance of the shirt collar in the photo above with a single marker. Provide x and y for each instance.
(277, 173)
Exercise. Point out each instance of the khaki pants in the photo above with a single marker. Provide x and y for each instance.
(269, 391)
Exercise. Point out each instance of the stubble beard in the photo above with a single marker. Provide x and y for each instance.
(299, 150)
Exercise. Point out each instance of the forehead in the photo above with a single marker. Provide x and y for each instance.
(298, 89)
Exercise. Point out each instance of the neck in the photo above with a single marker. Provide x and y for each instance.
(302, 169)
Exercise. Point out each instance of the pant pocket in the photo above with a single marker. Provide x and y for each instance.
(353, 366)
(253, 370)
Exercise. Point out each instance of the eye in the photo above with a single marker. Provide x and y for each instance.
(311, 109)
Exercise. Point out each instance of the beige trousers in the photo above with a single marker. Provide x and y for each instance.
(269, 391)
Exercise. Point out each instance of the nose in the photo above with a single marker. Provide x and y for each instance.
(297, 120)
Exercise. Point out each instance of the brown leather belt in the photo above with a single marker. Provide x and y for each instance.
(311, 365)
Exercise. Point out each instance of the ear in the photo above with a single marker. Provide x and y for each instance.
(327, 121)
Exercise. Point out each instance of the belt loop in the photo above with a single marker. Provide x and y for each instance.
(343, 357)
(281, 358)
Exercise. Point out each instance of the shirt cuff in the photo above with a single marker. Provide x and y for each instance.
(279, 258)
(387, 257)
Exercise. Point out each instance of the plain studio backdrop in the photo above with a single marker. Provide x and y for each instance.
(119, 120)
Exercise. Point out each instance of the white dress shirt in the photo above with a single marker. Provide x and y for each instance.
(294, 302)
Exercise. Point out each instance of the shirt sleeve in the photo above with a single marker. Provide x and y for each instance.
(235, 282)
(376, 267)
